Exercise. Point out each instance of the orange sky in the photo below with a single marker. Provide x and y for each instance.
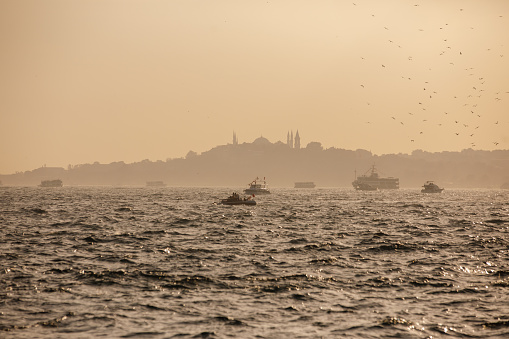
(120, 80)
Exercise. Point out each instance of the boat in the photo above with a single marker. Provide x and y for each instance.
(431, 187)
(373, 182)
(235, 199)
(155, 184)
(51, 183)
(256, 187)
(305, 184)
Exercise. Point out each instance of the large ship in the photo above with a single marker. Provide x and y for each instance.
(51, 183)
(373, 182)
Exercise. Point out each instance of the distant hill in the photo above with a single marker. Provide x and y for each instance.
(237, 165)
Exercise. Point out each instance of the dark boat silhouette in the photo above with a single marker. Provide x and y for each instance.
(235, 199)
(431, 187)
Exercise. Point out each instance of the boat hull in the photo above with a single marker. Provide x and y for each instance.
(365, 184)
(439, 190)
(364, 187)
(247, 202)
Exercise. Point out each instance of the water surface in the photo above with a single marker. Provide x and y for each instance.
(172, 263)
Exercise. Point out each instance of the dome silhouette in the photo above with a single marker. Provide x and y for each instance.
(262, 141)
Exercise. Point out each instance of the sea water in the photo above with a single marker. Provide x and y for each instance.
(82, 262)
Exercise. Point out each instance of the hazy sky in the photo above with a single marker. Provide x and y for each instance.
(121, 80)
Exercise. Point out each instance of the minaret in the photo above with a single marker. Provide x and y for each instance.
(297, 140)
(288, 139)
(235, 140)
(291, 140)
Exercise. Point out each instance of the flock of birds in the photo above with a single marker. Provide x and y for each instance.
(464, 112)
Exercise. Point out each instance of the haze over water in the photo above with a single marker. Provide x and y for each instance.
(85, 81)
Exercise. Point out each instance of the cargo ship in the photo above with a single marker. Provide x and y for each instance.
(373, 182)
(305, 184)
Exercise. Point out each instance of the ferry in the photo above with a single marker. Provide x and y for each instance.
(257, 188)
(431, 187)
(155, 184)
(51, 183)
(373, 182)
(235, 199)
(305, 184)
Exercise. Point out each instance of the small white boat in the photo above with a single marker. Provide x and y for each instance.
(256, 187)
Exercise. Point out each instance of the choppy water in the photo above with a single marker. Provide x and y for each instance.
(169, 263)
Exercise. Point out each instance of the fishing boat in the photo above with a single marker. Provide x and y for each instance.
(51, 183)
(373, 182)
(431, 187)
(235, 199)
(305, 184)
(256, 187)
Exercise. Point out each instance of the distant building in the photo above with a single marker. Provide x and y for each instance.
(297, 140)
(290, 140)
(262, 141)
